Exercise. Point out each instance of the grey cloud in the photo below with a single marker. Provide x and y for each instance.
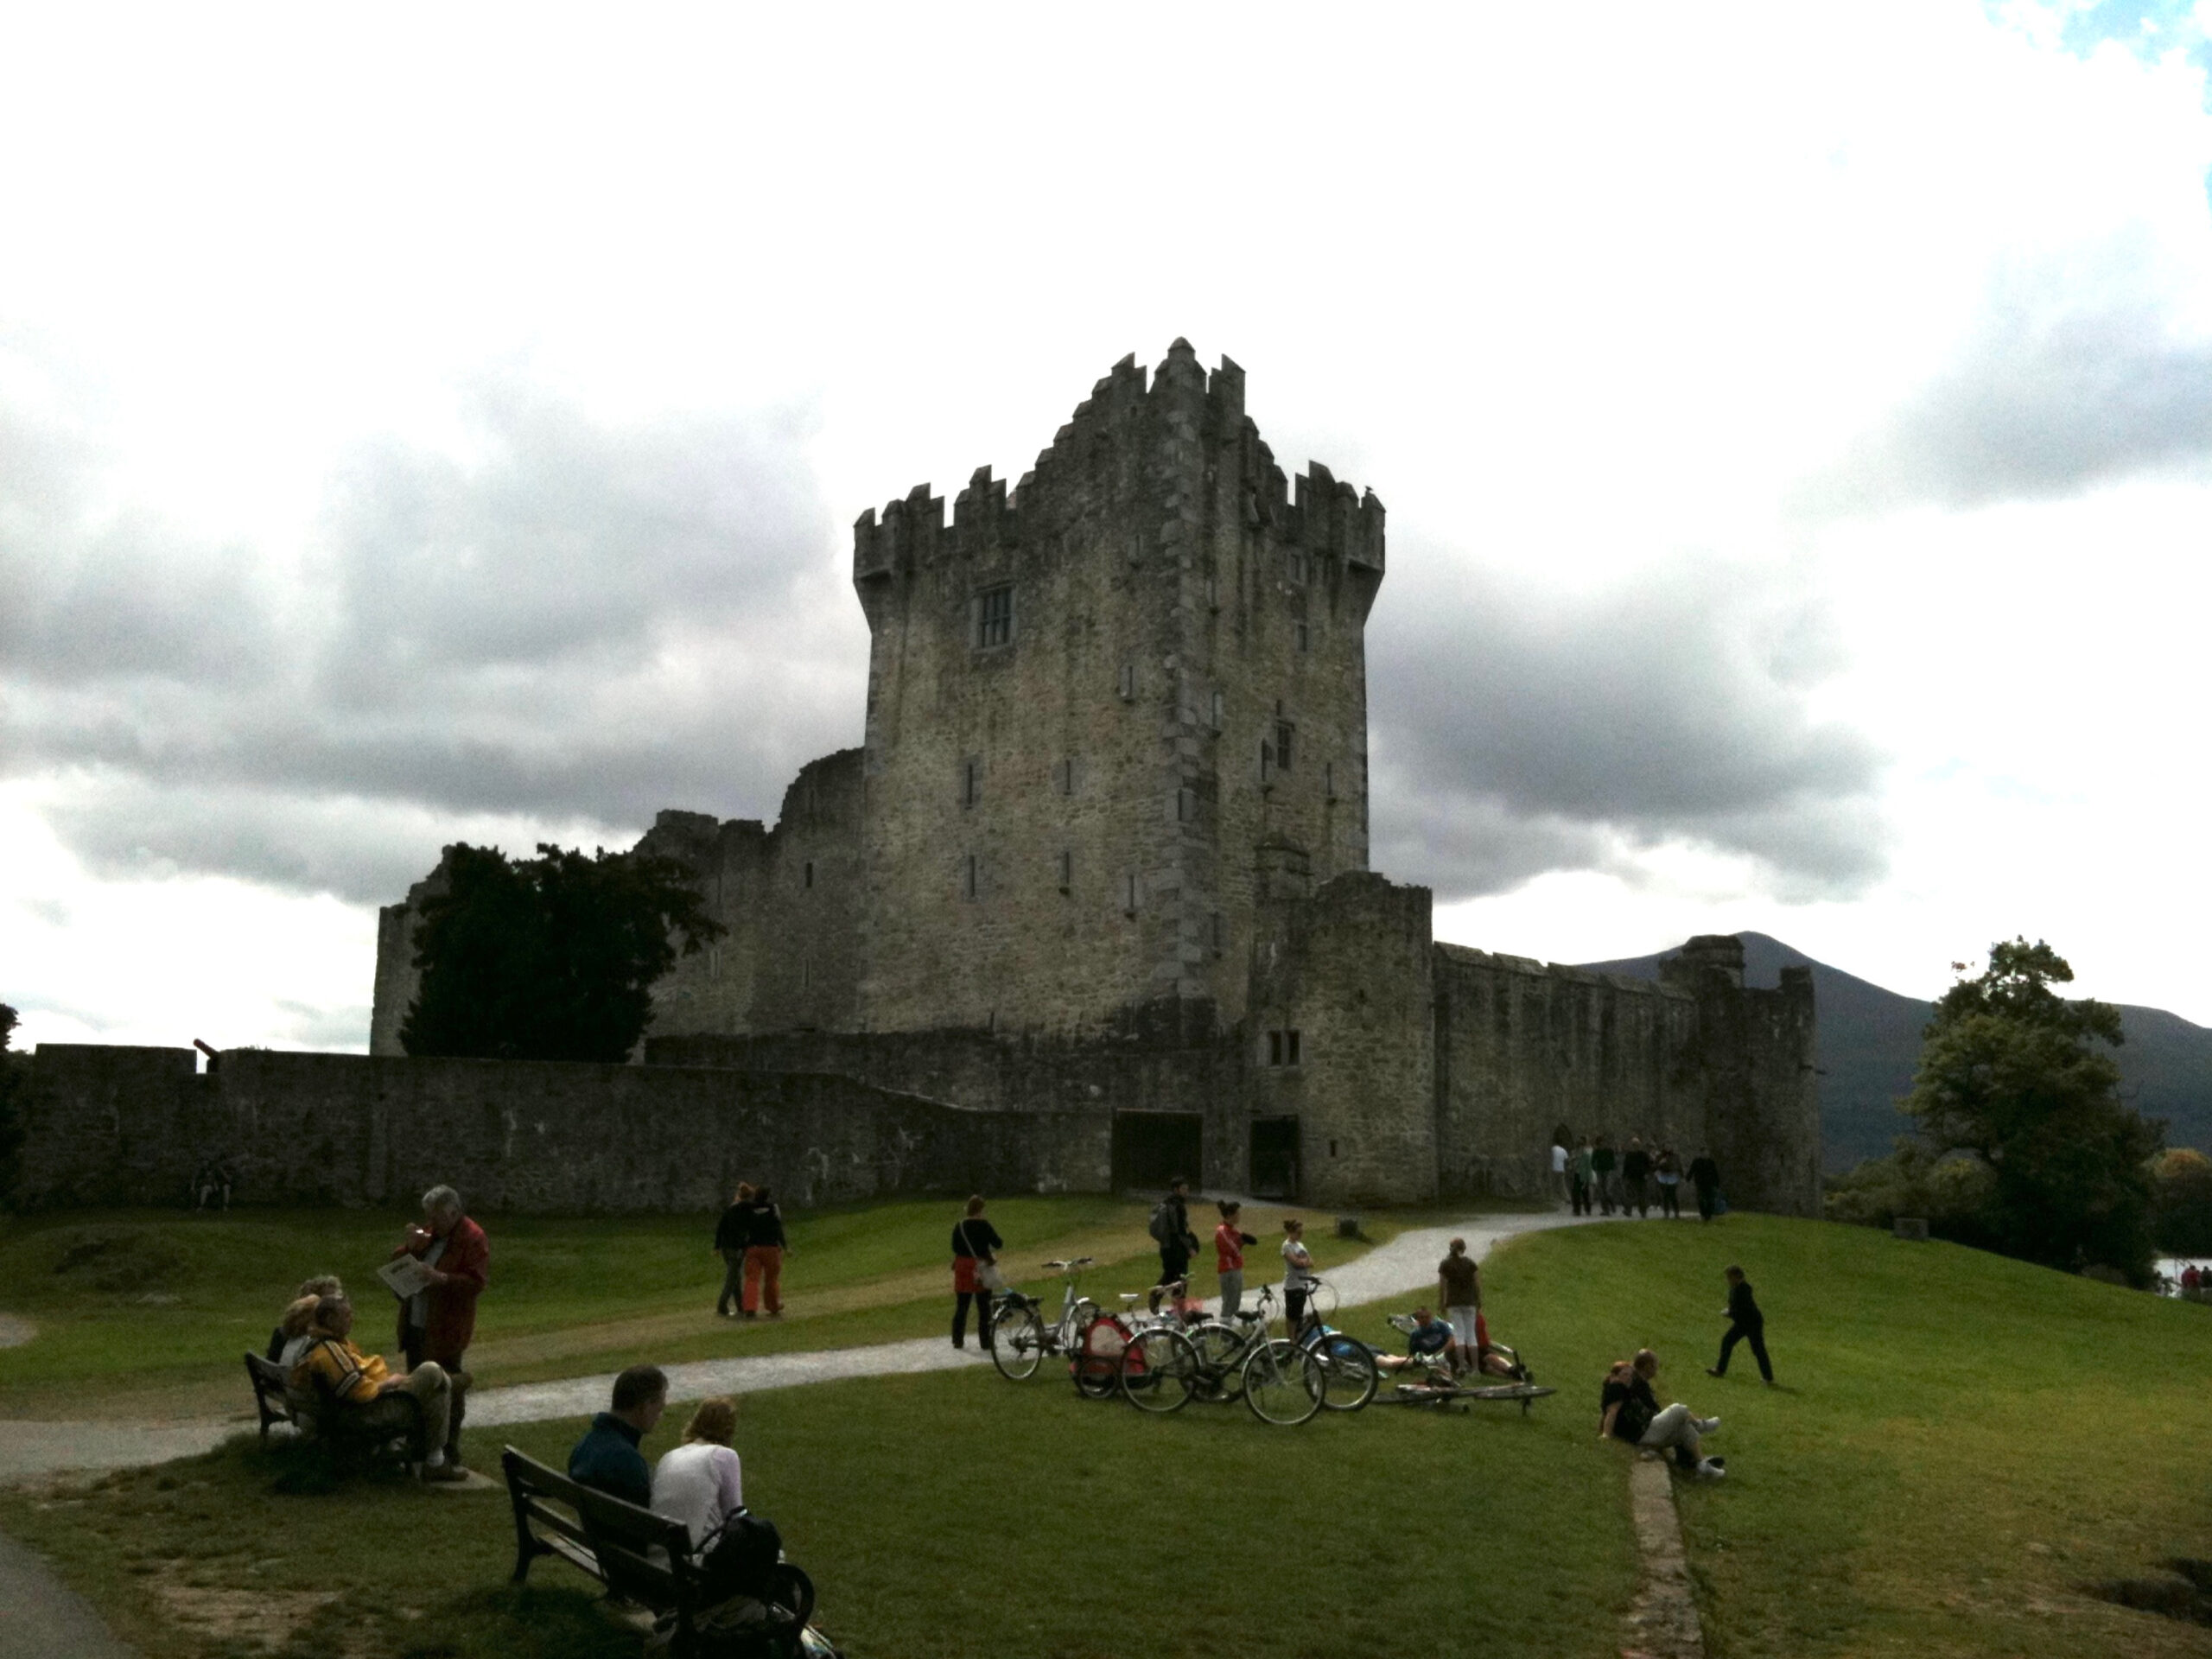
(1515, 736)
(574, 624)
(2051, 394)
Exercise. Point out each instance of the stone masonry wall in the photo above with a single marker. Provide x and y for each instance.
(1060, 825)
(1350, 971)
(1524, 1049)
(123, 1125)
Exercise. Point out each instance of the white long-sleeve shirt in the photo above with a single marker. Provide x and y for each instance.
(700, 1484)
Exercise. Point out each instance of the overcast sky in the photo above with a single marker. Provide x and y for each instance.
(419, 425)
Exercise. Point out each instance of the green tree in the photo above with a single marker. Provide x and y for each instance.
(2183, 1180)
(2020, 1079)
(549, 958)
(14, 1084)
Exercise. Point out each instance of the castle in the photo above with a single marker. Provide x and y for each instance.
(1103, 850)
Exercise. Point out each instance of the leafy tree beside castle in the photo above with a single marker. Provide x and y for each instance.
(2021, 1082)
(549, 958)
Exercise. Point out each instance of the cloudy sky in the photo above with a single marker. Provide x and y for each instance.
(1795, 424)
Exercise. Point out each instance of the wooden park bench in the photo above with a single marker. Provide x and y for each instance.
(642, 1558)
(315, 1418)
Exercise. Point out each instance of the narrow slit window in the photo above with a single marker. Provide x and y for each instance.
(1219, 933)
(1219, 708)
(971, 782)
(1284, 732)
(1305, 635)
(1329, 780)
(809, 872)
(968, 876)
(1290, 1047)
(1129, 892)
(1066, 777)
(1186, 805)
(1067, 869)
(994, 618)
(1129, 686)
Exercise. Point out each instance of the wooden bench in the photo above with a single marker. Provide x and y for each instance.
(277, 1402)
(640, 1557)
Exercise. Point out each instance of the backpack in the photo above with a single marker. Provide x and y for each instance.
(1163, 1228)
(741, 1559)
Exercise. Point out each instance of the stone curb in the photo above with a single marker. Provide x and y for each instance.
(1663, 1623)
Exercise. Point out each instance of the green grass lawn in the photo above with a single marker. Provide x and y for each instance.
(144, 1314)
(1960, 1445)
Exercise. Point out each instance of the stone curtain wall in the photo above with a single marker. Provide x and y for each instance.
(1524, 1048)
(129, 1125)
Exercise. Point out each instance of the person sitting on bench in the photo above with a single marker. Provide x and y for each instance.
(608, 1458)
(294, 1330)
(363, 1385)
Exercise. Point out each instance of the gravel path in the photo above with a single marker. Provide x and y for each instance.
(1404, 1267)
(15, 1331)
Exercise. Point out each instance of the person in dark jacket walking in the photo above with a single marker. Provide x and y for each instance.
(730, 1234)
(1602, 1164)
(1704, 1176)
(1745, 1324)
(975, 1246)
(765, 1249)
(1171, 1230)
(1635, 1173)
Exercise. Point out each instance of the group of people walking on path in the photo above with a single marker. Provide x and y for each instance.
(750, 1240)
(1595, 1179)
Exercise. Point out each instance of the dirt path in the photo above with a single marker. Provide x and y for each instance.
(1404, 1267)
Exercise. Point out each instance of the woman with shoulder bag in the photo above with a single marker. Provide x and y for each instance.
(975, 1276)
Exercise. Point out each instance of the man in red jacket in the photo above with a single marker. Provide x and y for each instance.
(436, 1322)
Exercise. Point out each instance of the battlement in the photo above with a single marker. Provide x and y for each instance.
(1179, 416)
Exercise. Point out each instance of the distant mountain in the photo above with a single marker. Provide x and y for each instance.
(1870, 1046)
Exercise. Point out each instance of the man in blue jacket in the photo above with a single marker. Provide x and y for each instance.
(608, 1458)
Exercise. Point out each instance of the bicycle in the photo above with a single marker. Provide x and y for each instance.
(1348, 1366)
(1019, 1337)
(1442, 1388)
(1281, 1381)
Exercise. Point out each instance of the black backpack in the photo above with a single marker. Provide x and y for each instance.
(739, 1559)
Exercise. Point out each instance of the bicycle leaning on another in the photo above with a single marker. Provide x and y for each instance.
(1163, 1368)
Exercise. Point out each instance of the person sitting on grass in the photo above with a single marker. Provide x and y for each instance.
(1628, 1410)
(290, 1337)
(1428, 1345)
(363, 1385)
(1492, 1359)
(608, 1459)
(701, 1483)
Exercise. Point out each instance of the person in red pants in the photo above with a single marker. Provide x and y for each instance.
(765, 1249)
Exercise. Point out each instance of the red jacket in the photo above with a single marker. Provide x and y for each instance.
(449, 1317)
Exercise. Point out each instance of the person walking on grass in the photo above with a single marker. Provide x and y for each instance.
(1603, 1166)
(1585, 1175)
(1628, 1409)
(765, 1247)
(1459, 1289)
(701, 1481)
(1229, 1241)
(975, 1246)
(731, 1233)
(608, 1460)
(1667, 1176)
(1704, 1176)
(437, 1324)
(1636, 1174)
(1745, 1324)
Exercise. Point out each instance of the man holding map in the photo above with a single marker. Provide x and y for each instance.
(437, 1271)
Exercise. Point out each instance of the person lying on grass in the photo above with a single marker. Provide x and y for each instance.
(1628, 1410)
(1428, 1346)
(362, 1384)
(290, 1337)
(608, 1458)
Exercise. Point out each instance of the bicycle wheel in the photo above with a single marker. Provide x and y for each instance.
(1159, 1370)
(1282, 1383)
(1097, 1367)
(1348, 1373)
(1220, 1353)
(1017, 1342)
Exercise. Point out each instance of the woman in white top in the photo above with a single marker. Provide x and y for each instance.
(700, 1483)
(1298, 1272)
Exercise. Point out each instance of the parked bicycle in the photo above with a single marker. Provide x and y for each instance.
(1283, 1382)
(1019, 1337)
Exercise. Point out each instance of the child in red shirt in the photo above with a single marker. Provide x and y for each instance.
(1229, 1241)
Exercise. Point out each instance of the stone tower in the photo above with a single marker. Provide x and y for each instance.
(1105, 711)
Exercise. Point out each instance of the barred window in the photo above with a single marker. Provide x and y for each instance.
(994, 618)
